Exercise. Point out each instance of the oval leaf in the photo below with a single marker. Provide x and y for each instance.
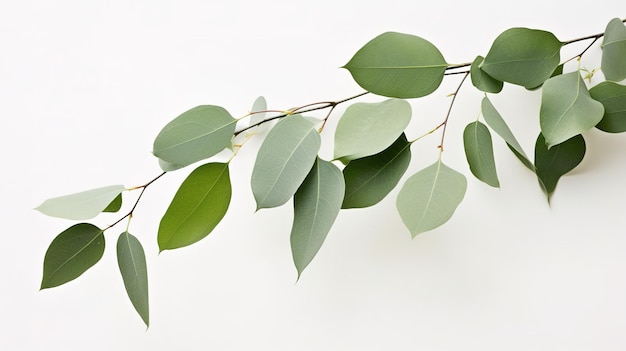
(479, 153)
(614, 51)
(567, 108)
(370, 179)
(553, 163)
(429, 198)
(71, 253)
(316, 206)
(115, 205)
(497, 123)
(195, 135)
(613, 97)
(368, 128)
(284, 160)
(398, 65)
(132, 263)
(198, 206)
(481, 80)
(523, 56)
(82, 205)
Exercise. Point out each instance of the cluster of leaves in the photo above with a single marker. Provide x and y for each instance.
(371, 150)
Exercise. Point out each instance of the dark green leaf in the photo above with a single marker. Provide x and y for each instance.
(567, 109)
(115, 205)
(82, 205)
(283, 161)
(429, 198)
(132, 263)
(553, 163)
(398, 65)
(195, 135)
(368, 128)
(198, 206)
(614, 51)
(316, 206)
(370, 179)
(523, 56)
(71, 253)
(479, 153)
(613, 97)
(481, 80)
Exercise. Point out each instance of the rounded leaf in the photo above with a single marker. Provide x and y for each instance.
(481, 80)
(82, 205)
(479, 153)
(613, 97)
(614, 51)
(398, 65)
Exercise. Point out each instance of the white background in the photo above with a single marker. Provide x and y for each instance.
(85, 86)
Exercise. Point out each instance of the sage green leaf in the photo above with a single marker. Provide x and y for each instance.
(479, 153)
(368, 128)
(198, 206)
(82, 205)
(523, 56)
(283, 161)
(567, 108)
(259, 105)
(497, 123)
(398, 65)
(557, 71)
(71, 253)
(552, 163)
(316, 206)
(169, 167)
(132, 263)
(429, 198)
(370, 179)
(481, 80)
(115, 205)
(614, 51)
(195, 135)
(613, 97)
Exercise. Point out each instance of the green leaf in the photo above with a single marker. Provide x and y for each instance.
(613, 97)
(82, 205)
(169, 167)
(316, 206)
(368, 128)
(370, 179)
(479, 153)
(481, 80)
(497, 123)
(556, 161)
(115, 205)
(567, 108)
(283, 161)
(614, 51)
(259, 105)
(557, 72)
(398, 65)
(195, 135)
(523, 56)
(198, 206)
(429, 198)
(71, 253)
(132, 263)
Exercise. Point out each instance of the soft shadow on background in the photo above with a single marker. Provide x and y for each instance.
(86, 86)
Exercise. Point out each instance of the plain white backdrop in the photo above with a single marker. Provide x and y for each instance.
(85, 86)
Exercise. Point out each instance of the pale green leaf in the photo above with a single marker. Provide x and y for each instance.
(481, 80)
(283, 161)
(479, 153)
(613, 97)
(368, 128)
(258, 107)
(497, 123)
(555, 162)
(316, 206)
(82, 205)
(370, 179)
(614, 51)
(195, 135)
(429, 198)
(567, 108)
(71, 253)
(115, 205)
(169, 167)
(398, 65)
(523, 56)
(132, 263)
(198, 206)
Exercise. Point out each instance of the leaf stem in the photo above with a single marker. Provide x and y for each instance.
(445, 121)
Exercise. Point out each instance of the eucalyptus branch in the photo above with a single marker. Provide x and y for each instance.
(445, 121)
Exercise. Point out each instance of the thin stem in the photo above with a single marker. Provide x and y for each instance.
(594, 36)
(445, 121)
